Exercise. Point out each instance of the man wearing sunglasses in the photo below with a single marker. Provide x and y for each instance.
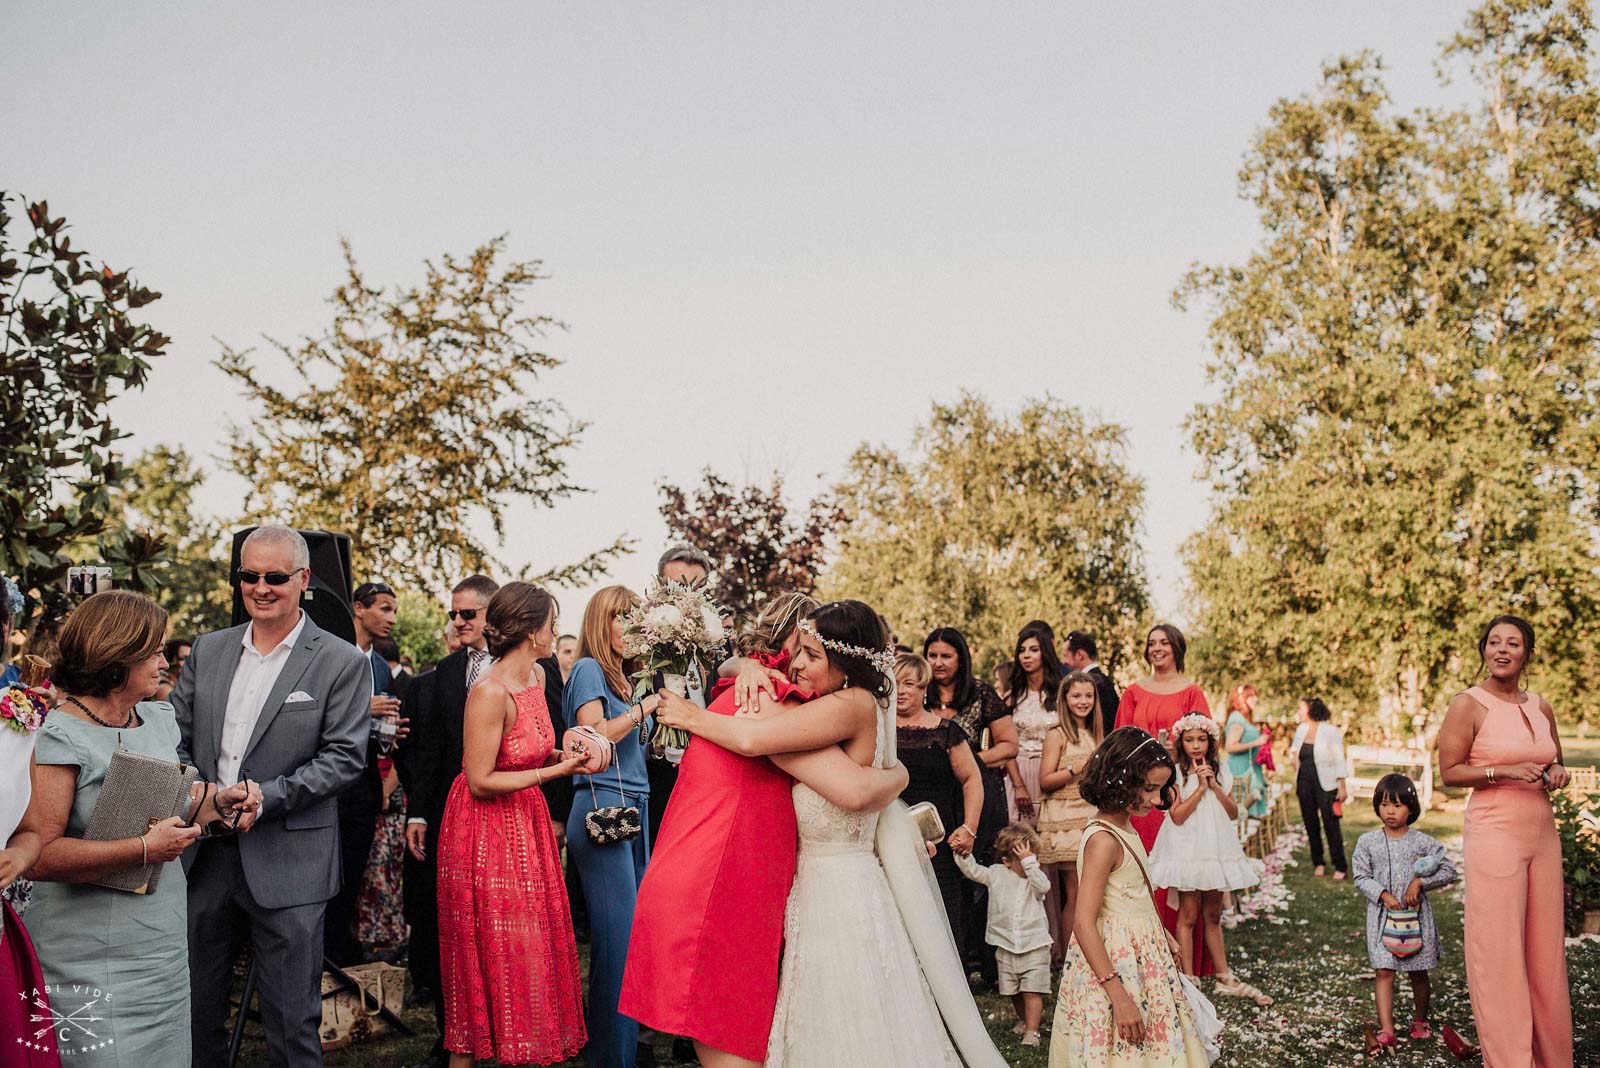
(280, 702)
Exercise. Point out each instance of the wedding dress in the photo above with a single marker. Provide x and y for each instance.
(868, 960)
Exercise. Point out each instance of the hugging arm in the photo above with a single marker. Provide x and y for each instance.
(830, 772)
(828, 720)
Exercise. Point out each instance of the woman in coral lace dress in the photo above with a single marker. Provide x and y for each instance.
(708, 924)
(509, 963)
(1154, 704)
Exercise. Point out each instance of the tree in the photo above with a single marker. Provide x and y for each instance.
(1405, 439)
(71, 345)
(994, 520)
(756, 548)
(414, 416)
(419, 627)
(157, 497)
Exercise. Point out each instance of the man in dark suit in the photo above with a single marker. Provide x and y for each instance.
(1081, 656)
(374, 607)
(431, 759)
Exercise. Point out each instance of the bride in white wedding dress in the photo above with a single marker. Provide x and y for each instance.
(870, 974)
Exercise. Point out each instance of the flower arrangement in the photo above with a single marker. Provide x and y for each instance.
(23, 708)
(669, 631)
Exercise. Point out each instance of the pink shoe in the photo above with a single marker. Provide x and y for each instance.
(1420, 1031)
(1387, 1040)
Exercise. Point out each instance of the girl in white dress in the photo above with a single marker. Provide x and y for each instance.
(870, 975)
(1197, 853)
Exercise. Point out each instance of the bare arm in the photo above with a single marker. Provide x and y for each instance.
(1052, 775)
(830, 772)
(593, 714)
(965, 766)
(1555, 733)
(1185, 807)
(1455, 743)
(1229, 806)
(828, 720)
(1234, 745)
(1002, 743)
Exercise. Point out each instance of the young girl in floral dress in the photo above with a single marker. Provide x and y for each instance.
(1121, 1002)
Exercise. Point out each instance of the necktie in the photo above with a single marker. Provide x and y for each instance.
(478, 661)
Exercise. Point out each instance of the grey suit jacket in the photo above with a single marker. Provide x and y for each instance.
(302, 754)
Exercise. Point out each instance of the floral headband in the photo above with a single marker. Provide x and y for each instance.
(882, 659)
(1196, 721)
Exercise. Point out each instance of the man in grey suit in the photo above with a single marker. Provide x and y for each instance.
(280, 702)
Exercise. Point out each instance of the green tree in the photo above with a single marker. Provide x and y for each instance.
(757, 549)
(413, 417)
(71, 345)
(1404, 441)
(157, 497)
(418, 627)
(991, 520)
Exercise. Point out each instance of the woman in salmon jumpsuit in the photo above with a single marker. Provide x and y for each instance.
(1501, 740)
(1153, 705)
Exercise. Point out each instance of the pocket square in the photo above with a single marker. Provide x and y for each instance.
(298, 695)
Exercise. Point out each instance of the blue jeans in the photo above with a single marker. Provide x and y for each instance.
(611, 876)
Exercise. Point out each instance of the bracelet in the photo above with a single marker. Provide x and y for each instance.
(538, 779)
(969, 830)
(1106, 978)
(144, 847)
(1488, 776)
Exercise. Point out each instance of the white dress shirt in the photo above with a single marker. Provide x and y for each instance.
(1017, 922)
(253, 680)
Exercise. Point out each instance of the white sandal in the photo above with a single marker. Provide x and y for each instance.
(1233, 986)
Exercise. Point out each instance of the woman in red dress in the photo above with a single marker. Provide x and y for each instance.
(1154, 704)
(708, 924)
(509, 964)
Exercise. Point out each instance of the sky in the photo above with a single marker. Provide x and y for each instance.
(774, 231)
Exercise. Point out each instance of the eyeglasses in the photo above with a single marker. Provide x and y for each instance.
(271, 578)
(468, 614)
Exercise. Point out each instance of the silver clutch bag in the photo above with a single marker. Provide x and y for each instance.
(139, 792)
(928, 821)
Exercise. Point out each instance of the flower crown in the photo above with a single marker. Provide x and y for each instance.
(882, 659)
(1196, 721)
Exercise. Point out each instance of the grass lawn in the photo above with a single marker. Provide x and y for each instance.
(1315, 964)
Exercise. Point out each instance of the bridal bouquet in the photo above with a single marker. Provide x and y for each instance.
(674, 627)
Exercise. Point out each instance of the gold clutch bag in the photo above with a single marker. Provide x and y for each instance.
(139, 791)
(928, 821)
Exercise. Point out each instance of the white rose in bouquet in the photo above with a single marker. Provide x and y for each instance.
(663, 617)
(713, 624)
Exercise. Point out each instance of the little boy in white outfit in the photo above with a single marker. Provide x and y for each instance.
(1018, 928)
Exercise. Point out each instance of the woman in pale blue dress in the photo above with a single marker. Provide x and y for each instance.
(117, 962)
(1242, 739)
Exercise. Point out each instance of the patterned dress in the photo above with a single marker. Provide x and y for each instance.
(509, 962)
(1085, 1030)
(1382, 863)
(1063, 813)
(380, 921)
(1033, 722)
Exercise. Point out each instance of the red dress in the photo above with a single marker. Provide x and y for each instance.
(508, 961)
(708, 925)
(1157, 712)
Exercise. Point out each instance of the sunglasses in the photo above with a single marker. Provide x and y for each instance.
(271, 578)
(468, 614)
(368, 590)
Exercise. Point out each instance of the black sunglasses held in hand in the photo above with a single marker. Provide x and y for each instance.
(468, 614)
(271, 578)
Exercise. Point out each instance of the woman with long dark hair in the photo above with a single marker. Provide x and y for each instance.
(974, 707)
(1501, 740)
(1033, 711)
(1317, 755)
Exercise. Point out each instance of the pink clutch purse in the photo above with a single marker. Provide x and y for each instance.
(596, 748)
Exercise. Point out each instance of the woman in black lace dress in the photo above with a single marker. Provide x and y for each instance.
(992, 737)
(943, 772)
